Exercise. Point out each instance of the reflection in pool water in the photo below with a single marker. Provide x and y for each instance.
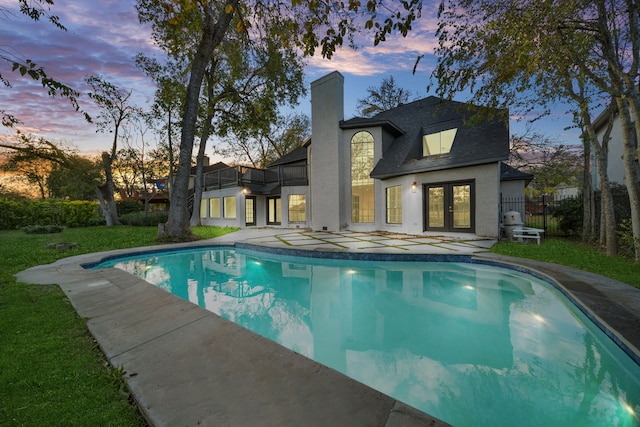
(468, 343)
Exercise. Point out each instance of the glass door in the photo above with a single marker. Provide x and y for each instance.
(449, 207)
(250, 210)
(274, 211)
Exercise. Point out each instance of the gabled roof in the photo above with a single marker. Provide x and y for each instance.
(474, 144)
(508, 173)
(210, 168)
(297, 155)
(360, 122)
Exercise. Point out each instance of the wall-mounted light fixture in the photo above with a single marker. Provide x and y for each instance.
(245, 190)
(414, 186)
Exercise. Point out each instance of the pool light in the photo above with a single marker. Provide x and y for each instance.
(539, 318)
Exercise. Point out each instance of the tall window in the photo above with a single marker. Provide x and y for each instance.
(214, 207)
(229, 206)
(203, 208)
(274, 210)
(297, 208)
(394, 205)
(362, 197)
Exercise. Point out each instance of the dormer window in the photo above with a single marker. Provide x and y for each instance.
(438, 143)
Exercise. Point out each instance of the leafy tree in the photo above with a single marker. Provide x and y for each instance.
(167, 106)
(389, 95)
(115, 112)
(10, 194)
(76, 179)
(300, 23)
(136, 168)
(524, 55)
(550, 163)
(35, 170)
(78, 171)
(285, 135)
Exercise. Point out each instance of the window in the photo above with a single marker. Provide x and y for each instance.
(203, 208)
(229, 206)
(362, 185)
(394, 205)
(297, 208)
(437, 143)
(214, 207)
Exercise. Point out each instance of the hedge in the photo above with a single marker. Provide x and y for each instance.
(15, 215)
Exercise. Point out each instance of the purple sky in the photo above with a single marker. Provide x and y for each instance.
(104, 35)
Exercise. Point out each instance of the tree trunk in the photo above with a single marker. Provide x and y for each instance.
(608, 236)
(104, 207)
(588, 207)
(204, 137)
(108, 188)
(630, 174)
(169, 187)
(197, 186)
(177, 227)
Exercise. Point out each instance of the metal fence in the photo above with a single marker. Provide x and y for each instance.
(545, 212)
(562, 216)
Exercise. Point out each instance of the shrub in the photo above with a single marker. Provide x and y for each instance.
(142, 219)
(625, 239)
(16, 214)
(569, 214)
(42, 229)
(124, 207)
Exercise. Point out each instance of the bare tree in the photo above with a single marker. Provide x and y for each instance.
(385, 97)
(115, 111)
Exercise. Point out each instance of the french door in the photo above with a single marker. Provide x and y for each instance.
(274, 210)
(450, 207)
(250, 210)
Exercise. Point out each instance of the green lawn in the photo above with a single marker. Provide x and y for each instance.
(51, 371)
(574, 254)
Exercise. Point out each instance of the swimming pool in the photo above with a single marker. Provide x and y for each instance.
(471, 344)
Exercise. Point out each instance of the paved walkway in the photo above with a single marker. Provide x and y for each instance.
(186, 366)
(375, 242)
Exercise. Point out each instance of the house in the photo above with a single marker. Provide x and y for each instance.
(615, 164)
(422, 167)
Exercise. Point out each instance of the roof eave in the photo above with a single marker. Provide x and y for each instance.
(405, 172)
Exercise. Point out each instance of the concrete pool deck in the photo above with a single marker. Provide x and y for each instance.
(186, 366)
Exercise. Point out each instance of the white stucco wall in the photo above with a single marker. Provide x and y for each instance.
(239, 220)
(513, 197)
(615, 168)
(327, 110)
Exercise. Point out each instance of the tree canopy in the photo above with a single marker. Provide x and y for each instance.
(523, 55)
(191, 31)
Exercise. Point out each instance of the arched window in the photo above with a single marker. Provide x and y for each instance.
(362, 197)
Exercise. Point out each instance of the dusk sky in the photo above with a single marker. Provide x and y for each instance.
(104, 36)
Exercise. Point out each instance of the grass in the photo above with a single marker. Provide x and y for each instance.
(51, 370)
(574, 254)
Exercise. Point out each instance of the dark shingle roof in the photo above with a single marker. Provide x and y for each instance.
(508, 173)
(359, 122)
(474, 144)
(297, 155)
(210, 168)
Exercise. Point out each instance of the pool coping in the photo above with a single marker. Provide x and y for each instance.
(164, 343)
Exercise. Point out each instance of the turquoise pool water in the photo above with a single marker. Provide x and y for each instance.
(472, 344)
